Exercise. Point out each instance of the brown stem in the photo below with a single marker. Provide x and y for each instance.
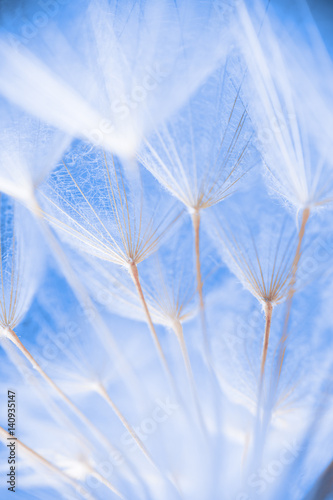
(134, 435)
(104, 481)
(178, 329)
(196, 229)
(11, 335)
(100, 328)
(102, 391)
(268, 319)
(291, 293)
(282, 344)
(6, 438)
(133, 270)
(305, 218)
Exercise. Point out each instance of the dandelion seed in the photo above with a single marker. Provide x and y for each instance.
(18, 287)
(296, 157)
(262, 258)
(112, 226)
(205, 168)
(29, 152)
(195, 93)
(170, 291)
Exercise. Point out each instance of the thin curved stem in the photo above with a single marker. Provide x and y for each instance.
(268, 322)
(97, 322)
(5, 437)
(102, 391)
(134, 273)
(262, 426)
(178, 329)
(196, 220)
(11, 335)
(268, 309)
(291, 293)
(196, 229)
(104, 481)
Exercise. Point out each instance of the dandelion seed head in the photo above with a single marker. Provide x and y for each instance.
(129, 337)
(217, 153)
(295, 153)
